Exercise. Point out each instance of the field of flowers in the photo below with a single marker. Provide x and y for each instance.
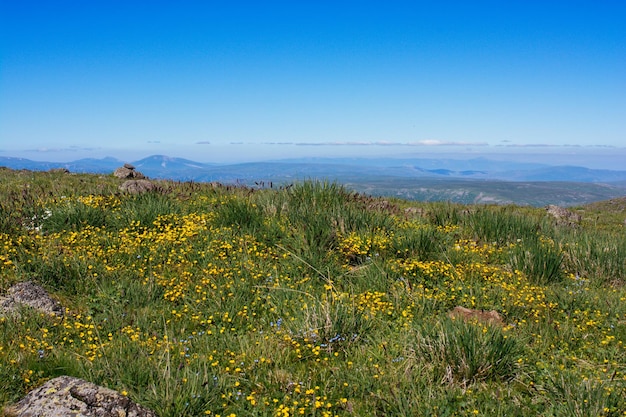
(201, 299)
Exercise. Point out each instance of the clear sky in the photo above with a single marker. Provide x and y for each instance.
(224, 81)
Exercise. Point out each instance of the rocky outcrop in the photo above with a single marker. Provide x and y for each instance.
(127, 172)
(29, 294)
(138, 186)
(482, 316)
(69, 396)
(414, 211)
(564, 216)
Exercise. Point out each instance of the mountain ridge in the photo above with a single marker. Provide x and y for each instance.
(414, 179)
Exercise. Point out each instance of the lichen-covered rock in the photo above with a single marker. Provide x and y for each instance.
(564, 216)
(137, 186)
(68, 396)
(482, 316)
(29, 294)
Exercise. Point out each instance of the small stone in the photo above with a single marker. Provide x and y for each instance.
(482, 316)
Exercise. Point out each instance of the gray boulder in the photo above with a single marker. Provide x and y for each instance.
(563, 216)
(137, 186)
(68, 396)
(29, 294)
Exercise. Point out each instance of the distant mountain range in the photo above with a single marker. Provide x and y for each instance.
(466, 181)
(165, 167)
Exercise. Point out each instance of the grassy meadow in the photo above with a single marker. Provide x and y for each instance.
(200, 299)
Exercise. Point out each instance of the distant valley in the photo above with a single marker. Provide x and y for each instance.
(478, 180)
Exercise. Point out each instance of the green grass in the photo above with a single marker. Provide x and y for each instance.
(311, 300)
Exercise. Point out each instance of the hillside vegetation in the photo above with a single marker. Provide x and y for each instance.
(199, 299)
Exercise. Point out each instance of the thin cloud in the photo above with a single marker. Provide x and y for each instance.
(277, 143)
(427, 142)
(359, 143)
(356, 143)
(80, 148)
(552, 145)
(601, 146)
(534, 145)
(437, 142)
(68, 149)
(203, 142)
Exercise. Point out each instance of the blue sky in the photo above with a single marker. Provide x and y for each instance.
(226, 81)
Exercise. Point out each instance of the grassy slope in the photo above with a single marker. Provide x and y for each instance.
(311, 301)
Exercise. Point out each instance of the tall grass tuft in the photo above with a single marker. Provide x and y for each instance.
(586, 398)
(465, 353)
(145, 208)
(419, 243)
(332, 325)
(342, 324)
(318, 212)
(600, 257)
(73, 215)
(445, 214)
(60, 272)
(540, 261)
(312, 207)
(241, 214)
(502, 225)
